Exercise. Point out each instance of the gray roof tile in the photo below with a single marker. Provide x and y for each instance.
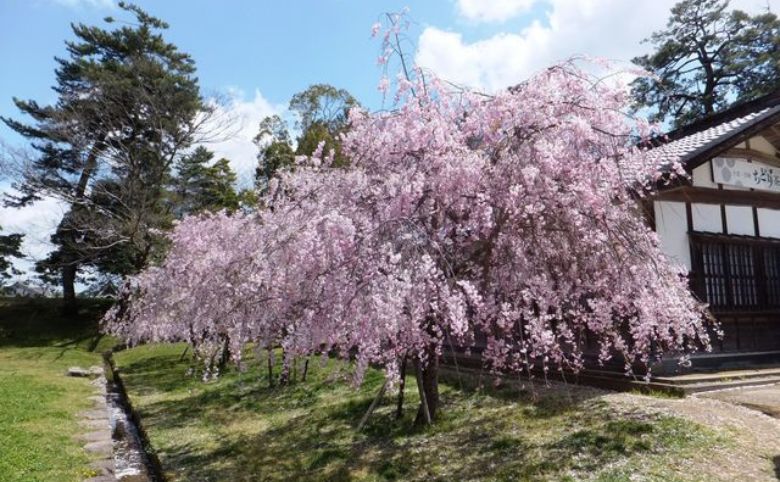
(686, 148)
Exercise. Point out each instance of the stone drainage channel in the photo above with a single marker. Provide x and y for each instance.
(111, 434)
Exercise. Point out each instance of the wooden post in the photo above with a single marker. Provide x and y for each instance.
(399, 409)
(270, 367)
(372, 407)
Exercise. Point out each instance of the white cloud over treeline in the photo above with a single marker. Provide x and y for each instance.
(611, 29)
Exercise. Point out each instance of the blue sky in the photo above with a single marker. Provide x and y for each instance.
(259, 53)
(275, 47)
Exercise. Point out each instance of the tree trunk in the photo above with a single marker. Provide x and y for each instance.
(270, 367)
(305, 370)
(69, 270)
(70, 305)
(428, 378)
(224, 356)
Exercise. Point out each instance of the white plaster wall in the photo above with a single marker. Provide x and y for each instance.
(760, 144)
(706, 217)
(672, 228)
(739, 220)
(769, 223)
(702, 176)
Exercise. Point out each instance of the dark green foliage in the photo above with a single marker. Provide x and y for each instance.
(127, 105)
(202, 185)
(322, 104)
(10, 247)
(706, 59)
(322, 114)
(276, 151)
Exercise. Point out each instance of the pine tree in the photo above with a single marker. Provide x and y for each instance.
(201, 186)
(706, 59)
(127, 105)
(10, 247)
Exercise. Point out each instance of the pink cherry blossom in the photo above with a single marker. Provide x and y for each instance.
(510, 222)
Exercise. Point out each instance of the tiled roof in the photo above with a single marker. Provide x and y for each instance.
(688, 147)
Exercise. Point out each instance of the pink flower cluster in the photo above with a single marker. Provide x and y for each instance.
(513, 221)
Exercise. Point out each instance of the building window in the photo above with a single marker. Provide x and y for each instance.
(736, 273)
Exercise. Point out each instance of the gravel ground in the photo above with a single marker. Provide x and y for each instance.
(754, 454)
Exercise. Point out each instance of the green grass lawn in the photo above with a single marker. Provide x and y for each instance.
(238, 429)
(38, 403)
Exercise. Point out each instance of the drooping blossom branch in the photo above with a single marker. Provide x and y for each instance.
(512, 220)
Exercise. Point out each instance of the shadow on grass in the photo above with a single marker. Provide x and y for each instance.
(39, 322)
(307, 431)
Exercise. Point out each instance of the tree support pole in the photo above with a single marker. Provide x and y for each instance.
(399, 409)
(372, 407)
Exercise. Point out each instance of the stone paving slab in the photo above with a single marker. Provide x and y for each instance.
(101, 447)
(103, 467)
(95, 414)
(95, 424)
(765, 399)
(95, 436)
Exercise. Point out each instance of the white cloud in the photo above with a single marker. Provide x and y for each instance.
(493, 10)
(611, 29)
(234, 126)
(37, 222)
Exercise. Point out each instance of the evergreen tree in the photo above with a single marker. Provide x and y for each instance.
(10, 247)
(201, 186)
(127, 105)
(706, 59)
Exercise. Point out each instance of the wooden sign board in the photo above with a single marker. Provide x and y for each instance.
(743, 173)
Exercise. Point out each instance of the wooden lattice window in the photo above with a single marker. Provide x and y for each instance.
(736, 273)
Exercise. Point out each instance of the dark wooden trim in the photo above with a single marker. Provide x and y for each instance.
(756, 228)
(740, 316)
(734, 238)
(695, 282)
(706, 195)
(751, 155)
(689, 216)
(712, 172)
(723, 224)
(731, 292)
(648, 206)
